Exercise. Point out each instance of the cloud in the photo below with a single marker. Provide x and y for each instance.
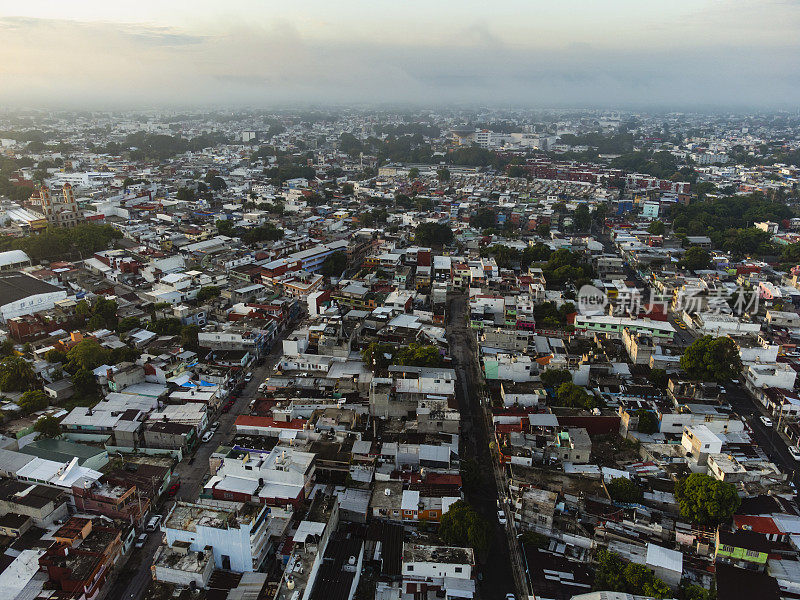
(52, 62)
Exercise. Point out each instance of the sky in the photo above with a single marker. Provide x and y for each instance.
(674, 54)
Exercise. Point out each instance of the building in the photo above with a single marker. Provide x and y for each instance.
(238, 539)
(59, 210)
(438, 568)
(21, 294)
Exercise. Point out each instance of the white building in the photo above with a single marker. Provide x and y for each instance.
(22, 294)
(238, 539)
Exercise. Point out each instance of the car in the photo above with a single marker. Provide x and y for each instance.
(766, 421)
(248, 377)
(207, 436)
(735, 381)
(141, 540)
(794, 452)
(173, 489)
(511, 597)
(215, 426)
(153, 523)
(501, 516)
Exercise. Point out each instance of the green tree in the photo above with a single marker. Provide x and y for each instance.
(189, 337)
(47, 427)
(581, 218)
(207, 292)
(659, 378)
(574, 396)
(419, 355)
(705, 500)
(379, 355)
(87, 354)
(648, 423)
(168, 326)
(623, 489)
(483, 218)
(84, 382)
(712, 359)
(128, 323)
(55, 356)
(553, 378)
(462, 526)
(32, 401)
(696, 258)
(615, 575)
(225, 227)
(656, 228)
(433, 234)
(7, 348)
(334, 264)
(471, 475)
(413, 173)
(443, 174)
(16, 374)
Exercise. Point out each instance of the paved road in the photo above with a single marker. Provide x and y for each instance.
(134, 578)
(499, 576)
(768, 438)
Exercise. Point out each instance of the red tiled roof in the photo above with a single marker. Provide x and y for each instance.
(757, 524)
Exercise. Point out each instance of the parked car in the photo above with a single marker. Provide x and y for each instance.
(248, 377)
(174, 489)
(766, 421)
(215, 426)
(501, 516)
(153, 523)
(794, 452)
(207, 436)
(141, 540)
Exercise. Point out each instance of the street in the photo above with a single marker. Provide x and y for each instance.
(768, 438)
(502, 571)
(132, 581)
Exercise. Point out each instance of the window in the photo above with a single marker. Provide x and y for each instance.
(458, 569)
(752, 553)
(409, 568)
(726, 548)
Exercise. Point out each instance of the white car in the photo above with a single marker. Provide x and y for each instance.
(794, 452)
(141, 540)
(153, 523)
(207, 436)
(766, 421)
(501, 516)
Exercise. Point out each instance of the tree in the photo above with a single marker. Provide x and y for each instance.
(168, 326)
(419, 355)
(413, 173)
(462, 526)
(705, 500)
(471, 474)
(574, 396)
(189, 337)
(379, 355)
(128, 323)
(87, 354)
(623, 489)
(483, 218)
(696, 258)
(543, 230)
(553, 378)
(443, 174)
(433, 234)
(32, 401)
(712, 359)
(16, 374)
(7, 347)
(581, 218)
(615, 575)
(535, 539)
(348, 188)
(55, 356)
(648, 423)
(207, 292)
(84, 382)
(658, 377)
(47, 427)
(225, 227)
(334, 264)
(656, 228)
